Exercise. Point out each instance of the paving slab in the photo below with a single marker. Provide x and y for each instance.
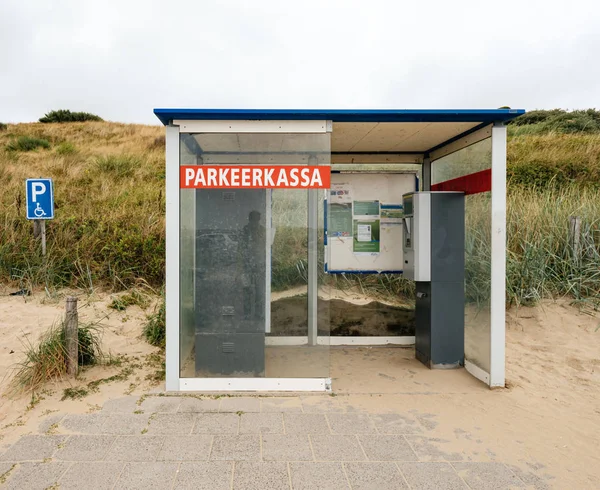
(488, 476)
(213, 475)
(259, 476)
(35, 476)
(337, 448)
(394, 423)
(374, 476)
(49, 422)
(217, 423)
(172, 424)
(125, 424)
(431, 476)
(85, 448)
(313, 476)
(236, 448)
(321, 404)
(87, 423)
(240, 404)
(199, 405)
(433, 449)
(286, 448)
(530, 478)
(351, 423)
(387, 448)
(261, 423)
(186, 448)
(143, 476)
(135, 448)
(281, 404)
(98, 475)
(125, 404)
(305, 423)
(6, 467)
(32, 448)
(160, 404)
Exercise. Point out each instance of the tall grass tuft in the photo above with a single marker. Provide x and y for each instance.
(155, 328)
(27, 143)
(46, 360)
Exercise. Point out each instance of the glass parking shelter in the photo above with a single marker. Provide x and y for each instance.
(247, 219)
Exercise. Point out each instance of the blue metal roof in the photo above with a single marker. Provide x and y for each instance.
(343, 115)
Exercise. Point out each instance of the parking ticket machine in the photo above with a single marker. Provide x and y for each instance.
(434, 257)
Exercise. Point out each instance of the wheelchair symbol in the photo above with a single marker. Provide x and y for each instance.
(38, 211)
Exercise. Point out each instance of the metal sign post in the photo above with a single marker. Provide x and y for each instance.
(40, 205)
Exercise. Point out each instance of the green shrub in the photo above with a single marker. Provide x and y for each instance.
(3, 126)
(62, 116)
(535, 117)
(133, 297)
(47, 360)
(66, 148)
(155, 328)
(117, 166)
(27, 143)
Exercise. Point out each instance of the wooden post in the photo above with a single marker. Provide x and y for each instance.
(575, 236)
(44, 238)
(71, 335)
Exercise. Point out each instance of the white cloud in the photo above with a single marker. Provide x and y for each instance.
(120, 59)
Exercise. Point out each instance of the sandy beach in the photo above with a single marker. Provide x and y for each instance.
(548, 413)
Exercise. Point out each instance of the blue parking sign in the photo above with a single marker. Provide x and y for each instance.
(40, 199)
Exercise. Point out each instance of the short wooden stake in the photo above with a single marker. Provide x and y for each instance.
(71, 335)
(575, 235)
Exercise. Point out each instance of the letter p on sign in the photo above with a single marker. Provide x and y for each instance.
(37, 188)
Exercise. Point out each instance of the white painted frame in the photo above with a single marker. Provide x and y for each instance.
(173, 381)
(172, 259)
(284, 341)
(498, 286)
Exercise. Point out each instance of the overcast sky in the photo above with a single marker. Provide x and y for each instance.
(120, 59)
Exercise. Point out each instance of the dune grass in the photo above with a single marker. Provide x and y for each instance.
(46, 358)
(109, 229)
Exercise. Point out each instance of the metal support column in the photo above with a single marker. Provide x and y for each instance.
(313, 282)
(498, 258)
(426, 173)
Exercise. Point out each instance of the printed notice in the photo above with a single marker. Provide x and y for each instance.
(391, 214)
(340, 193)
(366, 208)
(366, 237)
(340, 221)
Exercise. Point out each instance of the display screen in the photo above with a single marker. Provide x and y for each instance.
(408, 206)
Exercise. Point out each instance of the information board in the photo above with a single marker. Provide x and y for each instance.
(364, 222)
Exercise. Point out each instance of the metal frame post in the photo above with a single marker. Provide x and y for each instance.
(312, 266)
(172, 259)
(426, 173)
(498, 259)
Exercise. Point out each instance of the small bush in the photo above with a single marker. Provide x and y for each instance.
(66, 148)
(62, 116)
(155, 329)
(117, 166)
(133, 297)
(47, 360)
(3, 126)
(27, 143)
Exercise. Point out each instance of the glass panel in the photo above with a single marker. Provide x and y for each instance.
(469, 160)
(478, 269)
(250, 257)
(372, 305)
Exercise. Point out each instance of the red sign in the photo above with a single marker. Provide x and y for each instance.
(254, 177)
